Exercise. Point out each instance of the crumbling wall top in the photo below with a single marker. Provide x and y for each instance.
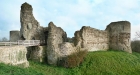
(25, 6)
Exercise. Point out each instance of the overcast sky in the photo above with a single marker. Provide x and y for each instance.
(71, 15)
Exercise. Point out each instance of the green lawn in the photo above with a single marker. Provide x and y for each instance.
(96, 63)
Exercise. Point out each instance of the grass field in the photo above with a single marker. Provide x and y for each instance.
(96, 63)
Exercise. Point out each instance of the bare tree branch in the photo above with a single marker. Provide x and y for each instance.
(4, 39)
(138, 34)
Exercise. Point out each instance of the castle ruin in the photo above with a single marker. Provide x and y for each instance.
(115, 37)
(54, 43)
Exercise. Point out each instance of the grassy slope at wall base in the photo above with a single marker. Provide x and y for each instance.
(95, 63)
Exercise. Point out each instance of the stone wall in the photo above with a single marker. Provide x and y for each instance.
(91, 39)
(119, 36)
(37, 53)
(115, 37)
(14, 55)
(66, 49)
(14, 35)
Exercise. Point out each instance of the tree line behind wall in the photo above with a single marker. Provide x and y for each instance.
(135, 44)
(4, 39)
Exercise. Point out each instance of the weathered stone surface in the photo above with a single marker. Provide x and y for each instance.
(30, 27)
(37, 53)
(116, 37)
(56, 36)
(14, 55)
(119, 36)
(66, 49)
(91, 39)
(78, 39)
(14, 35)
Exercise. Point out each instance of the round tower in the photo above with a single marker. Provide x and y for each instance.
(119, 36)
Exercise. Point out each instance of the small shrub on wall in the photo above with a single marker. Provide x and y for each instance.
(73, 60)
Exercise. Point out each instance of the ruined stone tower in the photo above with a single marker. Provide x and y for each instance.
(119, 36)
(30, 28)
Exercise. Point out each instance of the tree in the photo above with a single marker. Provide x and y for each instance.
(135, 45)
(70, 39)
(138, 34)
(4, 39)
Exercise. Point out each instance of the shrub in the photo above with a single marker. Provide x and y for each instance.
(72, 60)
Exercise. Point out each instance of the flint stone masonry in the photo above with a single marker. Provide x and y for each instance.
(66, 49)
(14, 35)
(119, 36)
(116, 37)
(91, 39)
(14, 55)
(37, 53)
(56, 36)
(30, 27)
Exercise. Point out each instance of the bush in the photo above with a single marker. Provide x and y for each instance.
(72, 60)
(135, 45)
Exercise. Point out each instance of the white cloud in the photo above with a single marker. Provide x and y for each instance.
(80, 8)
(122, 7)
(72, 15)
(127, 4)
(96, 2)
(134, 29)
(67, 23)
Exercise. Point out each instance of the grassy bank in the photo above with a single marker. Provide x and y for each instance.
(96, 63)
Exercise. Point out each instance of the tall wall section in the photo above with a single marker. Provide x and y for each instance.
(30, 27)
(119, 36)
(91, 39)
(56, 36)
